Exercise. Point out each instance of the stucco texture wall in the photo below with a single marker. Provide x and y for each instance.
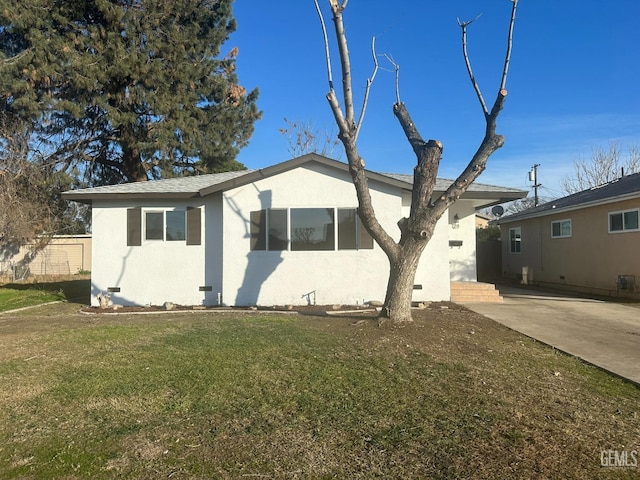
(462, 258)
(335, 277)
(233, 274)
(150, 274)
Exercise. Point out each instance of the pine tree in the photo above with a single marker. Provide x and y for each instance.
(126, 90)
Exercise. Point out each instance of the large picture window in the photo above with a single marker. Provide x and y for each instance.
(312, 229)
(308, 229)
(626, 220)
(515, 240)
(561, 229)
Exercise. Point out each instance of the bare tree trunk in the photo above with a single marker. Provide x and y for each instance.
(402, 272)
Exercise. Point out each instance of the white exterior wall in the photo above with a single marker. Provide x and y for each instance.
(157, 271)
(280, 278)
(433, 270)
(212, 228)
(150, 274)
(336, 277)
(462, 259)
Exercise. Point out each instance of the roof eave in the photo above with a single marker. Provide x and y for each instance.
(493, 197)
(87, 198)
(570, 208)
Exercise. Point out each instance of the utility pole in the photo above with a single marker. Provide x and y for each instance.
(533, 177)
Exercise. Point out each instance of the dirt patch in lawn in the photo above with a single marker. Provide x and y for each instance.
(303, 309)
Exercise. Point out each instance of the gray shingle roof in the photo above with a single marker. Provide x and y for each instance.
(443, 183)
(184, 185)
(619, 189)
(203, 185)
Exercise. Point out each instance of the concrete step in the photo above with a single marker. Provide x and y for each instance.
(474, 292)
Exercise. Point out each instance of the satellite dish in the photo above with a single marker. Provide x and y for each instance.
(498, 210)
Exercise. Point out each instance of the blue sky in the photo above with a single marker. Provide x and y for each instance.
(573, 81)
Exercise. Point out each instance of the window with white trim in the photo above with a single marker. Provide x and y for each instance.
(561, 229)
(515, 240)
(624, 221)
(164, 225)
(308, 229)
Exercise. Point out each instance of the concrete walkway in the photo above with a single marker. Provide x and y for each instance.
(602, 333)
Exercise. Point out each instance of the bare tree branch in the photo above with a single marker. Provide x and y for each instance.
(367, 90)
(327, 52)
(344, 62)
(347, 132)
(476, 87)
(605, 165)
(396, 68)
(491, 141)
(410, 129)
(505, 71)
(337, 6)
(331, 96)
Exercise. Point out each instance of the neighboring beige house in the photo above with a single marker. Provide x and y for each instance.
(482, 220)
(63, 255)
(587, 242)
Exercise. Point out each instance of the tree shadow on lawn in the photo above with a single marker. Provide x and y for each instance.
(75, 291)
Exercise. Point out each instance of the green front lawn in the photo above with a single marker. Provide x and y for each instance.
(12, 298)
(19, 295)
(203, 395)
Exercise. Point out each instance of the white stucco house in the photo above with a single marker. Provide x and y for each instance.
(285, 234)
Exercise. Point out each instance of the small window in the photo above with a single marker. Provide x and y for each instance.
(351, 232)
(134, 231)
(154, 226)
(561, 229)
(169, 225)
(194, 226)
(164, 225)
(175, 225)
(515, 240)
(623, 221)
(273, 221)
(347, 229)
(277, 227)
(258, 226)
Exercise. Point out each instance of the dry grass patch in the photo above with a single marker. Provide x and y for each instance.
(453, 395)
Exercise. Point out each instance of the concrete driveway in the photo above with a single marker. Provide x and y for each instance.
(602, 333)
